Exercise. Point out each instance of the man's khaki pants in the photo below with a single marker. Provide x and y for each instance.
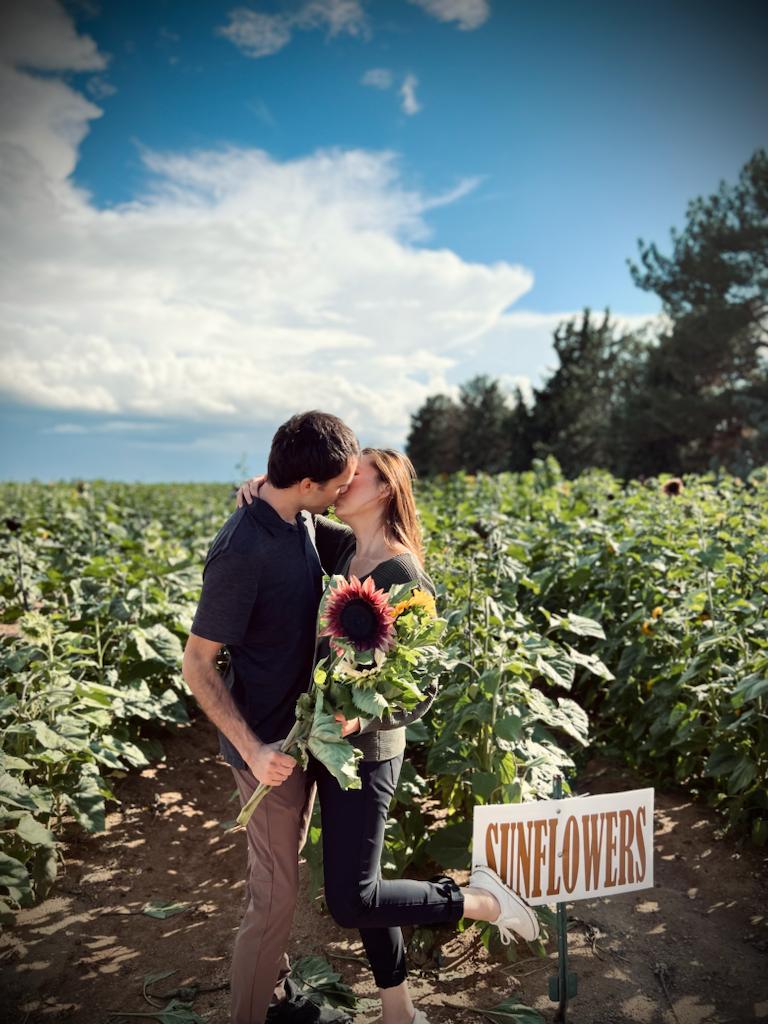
(276, 833)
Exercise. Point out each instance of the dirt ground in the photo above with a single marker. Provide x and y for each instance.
(692, 950)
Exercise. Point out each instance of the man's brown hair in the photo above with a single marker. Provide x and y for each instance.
(312, 444)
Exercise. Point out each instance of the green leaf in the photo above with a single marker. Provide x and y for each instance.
(14, 877)
(119, 609)
(417, 732)
(400, 591)
(578, 624)
(162, 909)
(506, 769)
(752, 687)
(450, 846)
(371, 703)
(176, 1012)
(7, 702)
(86, 801)
(483, 785)
(509, 727)
(47, 738)
(150, 979)
(115, 752)
(315, 976)
(166, 643)
(510, 1011)
(722, 761)
(328, 746)
(590, 662)
(566, 715)
(33, 832)
(558, 668)
(13, 793)
(43, 870)
(158, 643)
(410, 785)
(742, 775)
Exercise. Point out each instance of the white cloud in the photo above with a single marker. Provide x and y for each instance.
(66, 428)
(340, 16)
(237, 289)
(469, 14)
(42, 122)
(464, 187)
(243, 288)
(105, 427)
(226, 442)
(379, 78)
(410, 104)
(100, 88)
(260, 35)
(257, 35)
(382, 78)
(40, 34)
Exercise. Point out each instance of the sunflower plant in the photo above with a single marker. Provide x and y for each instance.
(381, 648)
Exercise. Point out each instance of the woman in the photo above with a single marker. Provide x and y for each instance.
(380, 537)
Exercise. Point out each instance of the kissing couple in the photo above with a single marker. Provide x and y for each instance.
(262, 585)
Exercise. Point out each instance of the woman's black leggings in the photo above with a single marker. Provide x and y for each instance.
(353, 824)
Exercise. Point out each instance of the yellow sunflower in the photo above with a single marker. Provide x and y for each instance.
(419, 598)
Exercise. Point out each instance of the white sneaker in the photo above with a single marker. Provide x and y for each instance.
(516, 915)
(419, 1018)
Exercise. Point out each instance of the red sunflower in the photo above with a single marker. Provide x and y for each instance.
(359, 614)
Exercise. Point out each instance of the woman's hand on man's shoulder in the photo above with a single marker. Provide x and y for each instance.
(248, 491)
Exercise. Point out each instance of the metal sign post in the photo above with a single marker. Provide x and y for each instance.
(563, 985)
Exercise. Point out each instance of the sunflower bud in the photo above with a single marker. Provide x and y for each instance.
(673, 488)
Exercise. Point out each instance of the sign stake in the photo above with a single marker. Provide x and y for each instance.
(563, 985)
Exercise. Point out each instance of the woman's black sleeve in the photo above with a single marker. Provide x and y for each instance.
(331, 539)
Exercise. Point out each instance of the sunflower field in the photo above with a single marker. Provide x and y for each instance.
(585, 615)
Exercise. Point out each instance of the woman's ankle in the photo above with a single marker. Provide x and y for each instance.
(479, 904)
(396, 1005)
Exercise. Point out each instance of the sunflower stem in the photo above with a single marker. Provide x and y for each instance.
(262, 789)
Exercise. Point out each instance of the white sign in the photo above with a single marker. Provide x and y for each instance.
(555, 850)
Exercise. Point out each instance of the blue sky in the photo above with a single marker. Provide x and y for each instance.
(222, 213)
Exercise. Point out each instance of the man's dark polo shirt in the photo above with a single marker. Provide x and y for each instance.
(262, 583)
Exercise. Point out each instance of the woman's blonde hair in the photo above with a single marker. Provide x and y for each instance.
(401, 522)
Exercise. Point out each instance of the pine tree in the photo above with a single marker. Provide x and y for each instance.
(701, 403)
(484, 440)
(433, 441)
(577, 411)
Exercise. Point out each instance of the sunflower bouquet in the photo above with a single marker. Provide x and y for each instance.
(380, 653)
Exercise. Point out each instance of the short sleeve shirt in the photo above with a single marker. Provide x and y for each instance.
(262, 584)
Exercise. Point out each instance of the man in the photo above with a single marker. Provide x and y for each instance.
(261, 590)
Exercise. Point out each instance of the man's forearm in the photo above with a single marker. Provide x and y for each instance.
(212, 694)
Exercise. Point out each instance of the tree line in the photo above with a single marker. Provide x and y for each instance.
(689, 396)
